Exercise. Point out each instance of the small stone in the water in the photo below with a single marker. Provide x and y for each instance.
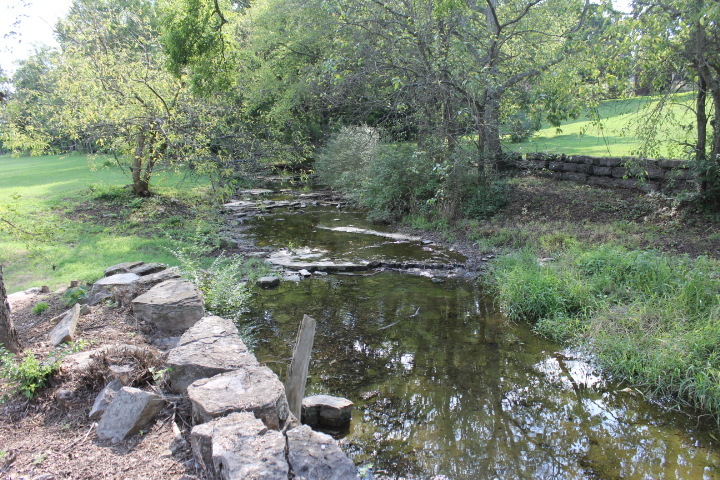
(326, 410)
(268, 282)
(304, 273)
(370, 394)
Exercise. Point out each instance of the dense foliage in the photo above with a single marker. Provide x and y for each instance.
(222, 84)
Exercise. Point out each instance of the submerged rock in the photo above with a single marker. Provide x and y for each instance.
(268, 282)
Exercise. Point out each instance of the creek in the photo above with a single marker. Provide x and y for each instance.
(444, 387)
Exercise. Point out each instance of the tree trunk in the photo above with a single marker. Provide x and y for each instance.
(140, 185)
(701, 120)
(8, 335)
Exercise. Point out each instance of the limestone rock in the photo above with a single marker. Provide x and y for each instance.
(148, 281)
(148, 268)
(64, 331)
(268, 282)
(119, 285)
(249, 389)
(239, 446)
(104, 399)
(327, 411)
(173, 305)
(131, 410)
(210, 347)
(316, 456)
(122, 268)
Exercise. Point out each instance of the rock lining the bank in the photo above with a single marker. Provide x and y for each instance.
(244, 428)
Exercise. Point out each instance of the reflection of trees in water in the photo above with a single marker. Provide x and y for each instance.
(459, 393)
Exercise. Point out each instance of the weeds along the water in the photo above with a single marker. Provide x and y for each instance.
(649, 319)
(224, 280)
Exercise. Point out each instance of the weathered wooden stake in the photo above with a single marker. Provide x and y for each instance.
(297, 373)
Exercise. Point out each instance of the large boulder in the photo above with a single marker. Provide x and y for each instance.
(119, 286)
(128, 413)
(173, 306)
(210, 347)
(317, 456)
(249, 389)
(240, 446)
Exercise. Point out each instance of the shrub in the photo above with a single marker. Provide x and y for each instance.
(485, 199)
(74, 295)
(40, 308)
(400, 181)
(225, 281)
(26, 376)
(391, 180)
(394, 180)
(344, 161)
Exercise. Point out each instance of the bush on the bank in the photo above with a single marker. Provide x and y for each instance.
(395, 180)
(648, 318)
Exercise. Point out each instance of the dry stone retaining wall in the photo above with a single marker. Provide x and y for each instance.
(647, 175)
(244, 428)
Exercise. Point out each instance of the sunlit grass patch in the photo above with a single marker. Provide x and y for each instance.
(73, 216)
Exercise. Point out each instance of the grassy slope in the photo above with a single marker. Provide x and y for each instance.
(617, 133)
(45, 191)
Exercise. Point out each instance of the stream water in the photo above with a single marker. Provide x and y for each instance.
(443, 386)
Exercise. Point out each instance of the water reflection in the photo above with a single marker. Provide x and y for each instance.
(313, 229)
(445, 389)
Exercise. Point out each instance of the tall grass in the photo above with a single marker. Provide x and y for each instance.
(648, 318)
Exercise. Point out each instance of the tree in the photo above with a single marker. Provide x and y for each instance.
(443, 68)
(28, 115)
(8, 335)
(682, 36)
(115, 88)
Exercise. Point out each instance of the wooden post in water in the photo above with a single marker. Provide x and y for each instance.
(297, 373)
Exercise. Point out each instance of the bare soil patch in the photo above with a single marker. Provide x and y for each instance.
(539, 206)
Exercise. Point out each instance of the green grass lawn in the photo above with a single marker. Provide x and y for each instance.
(622, 125)
(83, 221)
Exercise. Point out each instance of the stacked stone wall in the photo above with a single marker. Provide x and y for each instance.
(647, 175)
